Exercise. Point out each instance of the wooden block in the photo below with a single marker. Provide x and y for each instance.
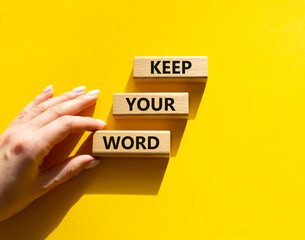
(131, 143)
(170, 67)
(151, 105)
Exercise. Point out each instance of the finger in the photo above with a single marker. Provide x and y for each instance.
(59, 129)
(45, 95)
(64, 171)
(70, 107)
(42, 107)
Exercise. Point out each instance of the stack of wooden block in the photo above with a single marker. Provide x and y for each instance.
(150, 105)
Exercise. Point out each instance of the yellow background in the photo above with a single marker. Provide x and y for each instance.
(238, 168)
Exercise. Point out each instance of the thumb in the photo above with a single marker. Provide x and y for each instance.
(64, 171)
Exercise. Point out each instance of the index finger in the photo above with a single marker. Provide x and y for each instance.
(46, 94)
(59, 129)
(70, 107)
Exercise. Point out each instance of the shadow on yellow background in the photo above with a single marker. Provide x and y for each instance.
(138, 176)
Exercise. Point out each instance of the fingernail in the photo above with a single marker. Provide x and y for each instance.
(93, 92)
(48, 88)
(79, 89)
(92, 164)
(101, 121)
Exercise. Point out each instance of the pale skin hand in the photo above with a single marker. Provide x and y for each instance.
(44, 122)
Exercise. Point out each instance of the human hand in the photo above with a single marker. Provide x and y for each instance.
(44, 122)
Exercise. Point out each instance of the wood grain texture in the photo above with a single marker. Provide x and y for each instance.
(131, 143)
(151, 105)
(170, 67)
